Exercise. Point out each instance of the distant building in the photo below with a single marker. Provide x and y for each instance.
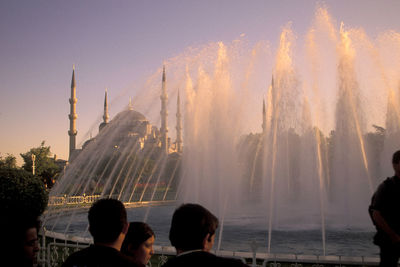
(133, 127)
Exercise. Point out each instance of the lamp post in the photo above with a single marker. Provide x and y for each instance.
(33, 164)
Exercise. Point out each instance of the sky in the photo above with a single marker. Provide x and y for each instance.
(115, 44)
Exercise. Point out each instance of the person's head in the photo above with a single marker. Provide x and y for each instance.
(192, 227)
(138, 242)
(107, 220)
(30, 242)
(20, 242)
(396, 162)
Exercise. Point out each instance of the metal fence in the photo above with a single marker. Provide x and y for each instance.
(72, 200)
(56, 247)
(137, 197)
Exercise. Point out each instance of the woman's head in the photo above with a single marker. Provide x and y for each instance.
(138, 242)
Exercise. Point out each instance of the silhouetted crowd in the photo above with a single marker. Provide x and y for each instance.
(119, 243)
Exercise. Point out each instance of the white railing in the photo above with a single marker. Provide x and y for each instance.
(72, 200)
(87, 199)
(58, 251)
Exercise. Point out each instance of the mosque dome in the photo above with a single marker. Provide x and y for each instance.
(130, 123)
(87, 142)
(130, 115)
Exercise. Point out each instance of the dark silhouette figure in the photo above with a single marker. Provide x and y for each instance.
(192, 233)
(108, 226)
(385, 213)
(20, 244)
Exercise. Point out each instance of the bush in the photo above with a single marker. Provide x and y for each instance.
(21, 194)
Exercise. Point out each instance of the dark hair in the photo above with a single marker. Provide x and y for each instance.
(107, 218)
(396, 157)
(190, 225)
(138, 233)
(27, 224)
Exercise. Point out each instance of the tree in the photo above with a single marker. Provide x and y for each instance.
(21, 194)
(23, 199)
(9, 162)
(45, 166)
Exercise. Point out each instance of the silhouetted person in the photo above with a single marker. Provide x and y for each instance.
(192, 233)
(19, 243)
(385, 213)
(138, 243)
(30, 243)
(108, 226)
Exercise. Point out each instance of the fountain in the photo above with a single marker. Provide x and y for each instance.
(294, 176)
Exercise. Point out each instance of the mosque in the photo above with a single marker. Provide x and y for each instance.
(129, 135)
(133, 127)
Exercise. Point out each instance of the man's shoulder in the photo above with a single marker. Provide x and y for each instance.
(389, 181)
(97, 256)
(77, 257)
(230, 262)
(203, 259)
(386, 185)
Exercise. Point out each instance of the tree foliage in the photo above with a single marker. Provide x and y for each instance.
(45, 166)
(21, 193)
(9, 162)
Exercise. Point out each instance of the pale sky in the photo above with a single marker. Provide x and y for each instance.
(114, 44)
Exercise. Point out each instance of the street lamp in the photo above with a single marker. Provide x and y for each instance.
(33, 164)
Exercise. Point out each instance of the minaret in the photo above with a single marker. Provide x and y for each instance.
(72, 116)
(164, 115)
(178, 125)
(264, 123)
(105, 116)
